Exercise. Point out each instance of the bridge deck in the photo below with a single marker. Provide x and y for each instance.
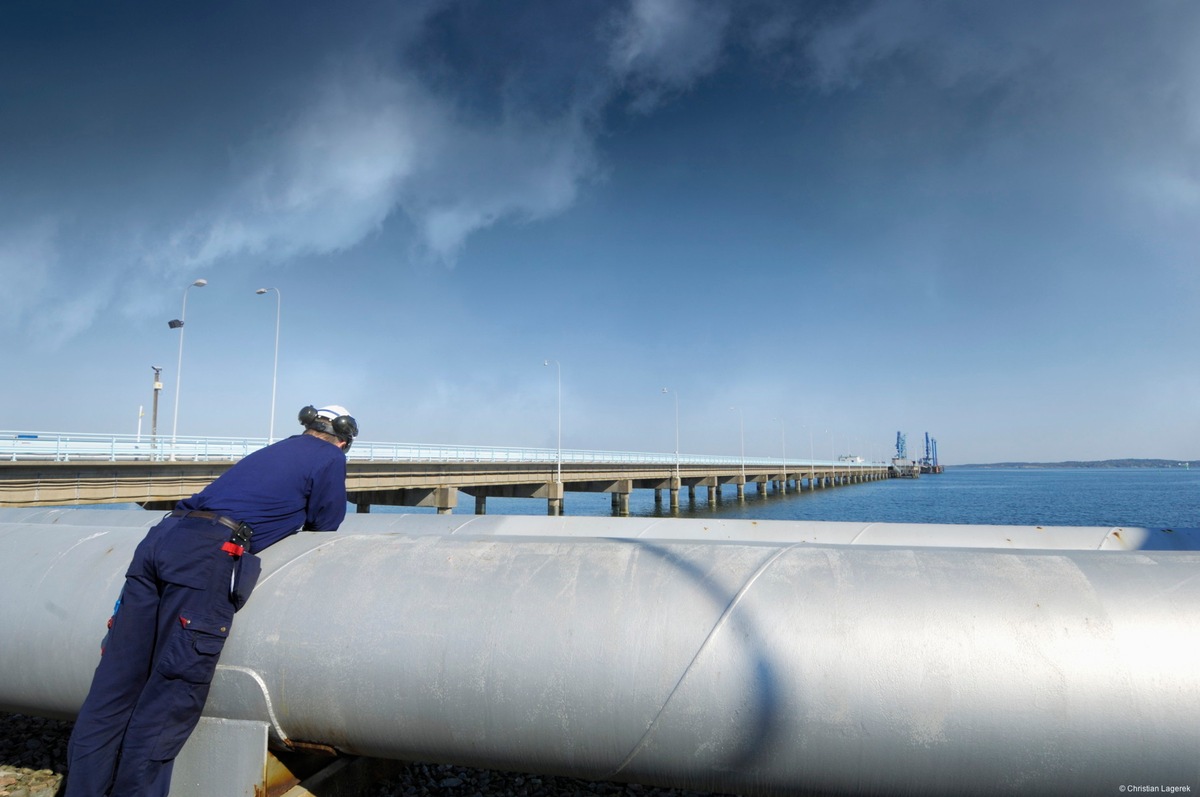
(48, 470)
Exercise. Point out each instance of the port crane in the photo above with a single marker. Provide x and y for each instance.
(929, 463)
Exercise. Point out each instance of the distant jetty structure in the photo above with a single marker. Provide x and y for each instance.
(929, 463)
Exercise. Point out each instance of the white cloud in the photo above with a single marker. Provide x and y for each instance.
(372, 142)
(324, 183)
(663, 46)
(525, 169)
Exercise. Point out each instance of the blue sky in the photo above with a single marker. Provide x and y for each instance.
(844, 219)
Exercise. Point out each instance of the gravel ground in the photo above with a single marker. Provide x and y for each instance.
(33, 755)
(33, 759)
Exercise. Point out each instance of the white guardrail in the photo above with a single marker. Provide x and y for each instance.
(59, 447)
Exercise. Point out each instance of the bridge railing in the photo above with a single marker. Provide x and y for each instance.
(83, 447)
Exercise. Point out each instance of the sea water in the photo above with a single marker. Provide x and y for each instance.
(1130, 497)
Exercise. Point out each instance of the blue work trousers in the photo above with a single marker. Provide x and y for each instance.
(158, 662)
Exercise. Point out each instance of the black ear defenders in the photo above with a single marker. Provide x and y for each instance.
(308, 416)
(344, 427)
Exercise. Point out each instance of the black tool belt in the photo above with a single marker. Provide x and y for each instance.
(241, 531)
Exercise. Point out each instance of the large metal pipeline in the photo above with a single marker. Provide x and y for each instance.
(1083, 538)
(757, 668)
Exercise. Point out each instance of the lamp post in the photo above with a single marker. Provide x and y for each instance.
(812, 468)
(676, 396)
(275, 369)
(178, 324)
(558, 457)
(742, 437)
(154, 410)
(783, 441)
(832, 456)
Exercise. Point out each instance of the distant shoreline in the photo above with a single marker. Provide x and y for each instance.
(1104, 463)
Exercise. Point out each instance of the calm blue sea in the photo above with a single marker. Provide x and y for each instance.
(1168, 497)
(1150, 497)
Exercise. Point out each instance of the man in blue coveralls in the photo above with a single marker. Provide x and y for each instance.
(188, 576)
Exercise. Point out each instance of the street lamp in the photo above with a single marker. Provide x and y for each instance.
(558, 472)
(154, 412)
(676, 396)
(812, 468)
(783, 440)
(178, 324)
(275, 370)
(742, 435)
(832, 455)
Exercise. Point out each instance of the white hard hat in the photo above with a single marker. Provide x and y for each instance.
(332, 411)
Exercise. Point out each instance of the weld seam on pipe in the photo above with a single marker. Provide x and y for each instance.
(700, 649)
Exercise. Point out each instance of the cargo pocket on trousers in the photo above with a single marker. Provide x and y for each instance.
(192, 652)
(245, 576)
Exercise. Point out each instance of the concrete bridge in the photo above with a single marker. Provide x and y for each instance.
(42, 469)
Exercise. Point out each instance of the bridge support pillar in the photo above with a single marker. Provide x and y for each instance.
(741, 491)
(362, 508)
(658, 496)
(620, 497)
(481, 504)
(554, 498)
